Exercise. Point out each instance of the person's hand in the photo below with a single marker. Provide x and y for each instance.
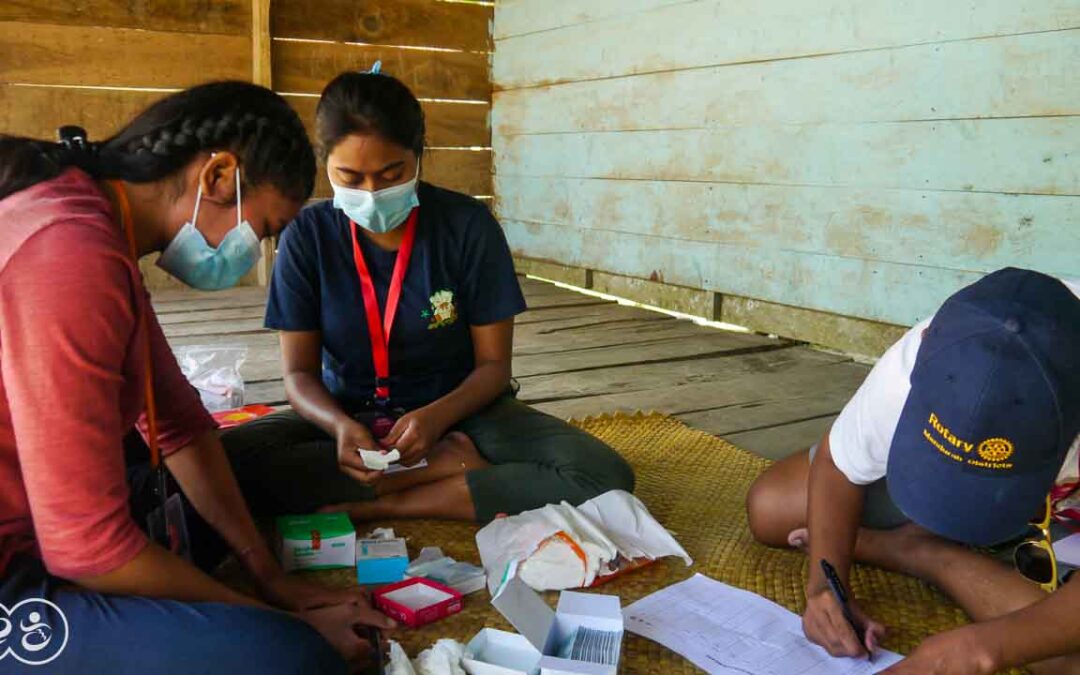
(295, 594)
(824, 624)
(351, 436)
(414, 434)
(960, 651)
(344, 627)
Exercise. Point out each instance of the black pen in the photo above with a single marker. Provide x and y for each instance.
(841, 597)
(376, 644)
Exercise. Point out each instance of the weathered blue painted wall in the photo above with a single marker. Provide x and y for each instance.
(861, 158)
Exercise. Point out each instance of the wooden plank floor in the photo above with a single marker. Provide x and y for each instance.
(577, 355)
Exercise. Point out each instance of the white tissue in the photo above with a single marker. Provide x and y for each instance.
(442, 659)
(381, 533)
(399, 661)
(378, 461)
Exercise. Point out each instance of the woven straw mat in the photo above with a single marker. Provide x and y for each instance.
(695, 484)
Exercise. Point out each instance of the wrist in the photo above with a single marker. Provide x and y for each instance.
(343, 424)
(993, 640)
(816, 583)
(815, 587)
(439, 416)
(1007, 645)
(261, 565)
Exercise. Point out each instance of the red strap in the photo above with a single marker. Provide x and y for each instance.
(379, 331)
(148, 380)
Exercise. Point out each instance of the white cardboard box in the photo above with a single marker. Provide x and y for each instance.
(496, 652)
(316, 541)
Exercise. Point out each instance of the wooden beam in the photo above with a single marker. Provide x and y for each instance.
(260, 42)
(262, 73)
(306, 67)
(228, 17)
(575, 276)
(38, 111)
(419, 23)
(693, 301)
(36, 53)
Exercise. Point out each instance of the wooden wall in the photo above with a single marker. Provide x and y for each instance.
(97, 62)
(807, 161)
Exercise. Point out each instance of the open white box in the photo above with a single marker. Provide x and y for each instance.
(496, 652)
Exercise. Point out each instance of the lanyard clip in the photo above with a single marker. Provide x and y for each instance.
(382, 392)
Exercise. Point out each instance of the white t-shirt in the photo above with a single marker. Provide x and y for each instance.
(862, 435)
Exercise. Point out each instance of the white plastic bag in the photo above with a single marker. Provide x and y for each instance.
(561, 546)
(214, 370)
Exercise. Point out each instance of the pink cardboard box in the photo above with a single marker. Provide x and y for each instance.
(416, 602)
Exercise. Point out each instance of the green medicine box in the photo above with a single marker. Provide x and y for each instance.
(316, 542)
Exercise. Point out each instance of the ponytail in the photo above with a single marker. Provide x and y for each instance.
(251, 121)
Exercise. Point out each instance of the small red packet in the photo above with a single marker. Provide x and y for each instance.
(228, 419)
(416, 602)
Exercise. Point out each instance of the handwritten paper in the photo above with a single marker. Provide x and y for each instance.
(727, 631)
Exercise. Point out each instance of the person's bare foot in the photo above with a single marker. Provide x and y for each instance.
(799, 538)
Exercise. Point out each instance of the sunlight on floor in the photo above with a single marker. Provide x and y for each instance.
(701, 321)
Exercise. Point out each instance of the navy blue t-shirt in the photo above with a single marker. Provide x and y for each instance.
(460, 275)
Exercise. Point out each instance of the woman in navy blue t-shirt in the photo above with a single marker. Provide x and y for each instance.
(395, 304)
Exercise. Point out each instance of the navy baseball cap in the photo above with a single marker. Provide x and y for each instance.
(993, 408)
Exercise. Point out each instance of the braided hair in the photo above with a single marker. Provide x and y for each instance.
(251, 121)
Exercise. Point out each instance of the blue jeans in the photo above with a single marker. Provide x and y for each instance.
(128, 634)
(118, 635)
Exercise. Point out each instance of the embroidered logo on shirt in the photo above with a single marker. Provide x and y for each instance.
(443, 311)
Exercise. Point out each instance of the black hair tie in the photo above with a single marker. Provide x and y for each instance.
(73, 139)
(75, 150)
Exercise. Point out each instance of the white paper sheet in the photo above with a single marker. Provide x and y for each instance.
(1067, 550)
(727, 631)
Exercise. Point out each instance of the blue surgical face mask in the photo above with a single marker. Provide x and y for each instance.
(198, 264)
(379, 211)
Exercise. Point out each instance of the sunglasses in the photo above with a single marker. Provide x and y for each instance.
(1034, 558)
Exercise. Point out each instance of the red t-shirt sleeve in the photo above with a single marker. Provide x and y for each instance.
(67, 316)
(181, 414)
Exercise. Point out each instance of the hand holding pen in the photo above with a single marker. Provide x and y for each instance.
(835, 622)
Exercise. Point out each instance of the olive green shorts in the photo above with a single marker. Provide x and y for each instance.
(285, 464)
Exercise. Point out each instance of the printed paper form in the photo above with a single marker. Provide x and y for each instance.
(728, 631)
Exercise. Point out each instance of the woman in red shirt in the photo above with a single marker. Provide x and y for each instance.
(200, 176)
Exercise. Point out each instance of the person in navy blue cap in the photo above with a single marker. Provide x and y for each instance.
(964, 434)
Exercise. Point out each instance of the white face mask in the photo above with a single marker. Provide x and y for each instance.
(192, 260)
(379, 211)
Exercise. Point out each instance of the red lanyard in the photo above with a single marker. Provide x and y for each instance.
(148, 380)
(379, 330)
